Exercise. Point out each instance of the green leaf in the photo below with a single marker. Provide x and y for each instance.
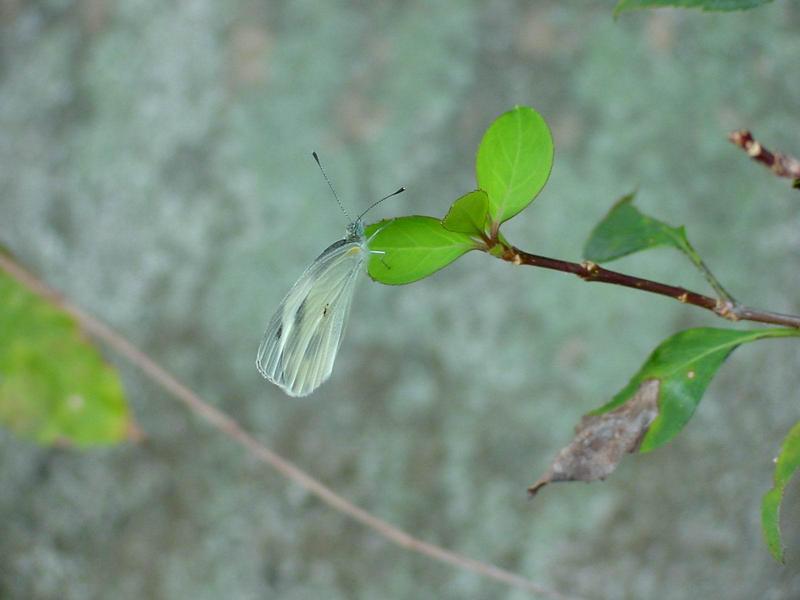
(684, 365)
(707, 5)
(514, 161)
(468, 214)
(54, 386)
(786, 465)
(625, 230)
(414, 247)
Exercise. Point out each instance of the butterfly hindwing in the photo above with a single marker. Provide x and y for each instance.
(303, 336)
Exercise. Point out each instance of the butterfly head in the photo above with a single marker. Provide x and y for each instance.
(355, 231)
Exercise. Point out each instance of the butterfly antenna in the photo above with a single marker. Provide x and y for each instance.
(328, 181)
(374, 204)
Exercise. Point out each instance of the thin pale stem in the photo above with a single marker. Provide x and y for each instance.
(231, 429)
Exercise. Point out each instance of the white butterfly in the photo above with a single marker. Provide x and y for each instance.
(304, 334)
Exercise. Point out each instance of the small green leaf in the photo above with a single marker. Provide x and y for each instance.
(786, 465)
(468, 214)
(625, 230)
(684, 364)
(707, 5)
(54, 386)
(414, 248)
(514, 161)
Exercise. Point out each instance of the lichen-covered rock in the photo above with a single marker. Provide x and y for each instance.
(155, 166)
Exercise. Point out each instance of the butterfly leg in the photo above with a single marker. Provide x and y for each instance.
(382, 253)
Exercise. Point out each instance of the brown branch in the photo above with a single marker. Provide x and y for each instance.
(589, 271)
(230, 428)
(780, 164)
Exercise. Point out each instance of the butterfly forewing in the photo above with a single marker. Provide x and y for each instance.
(304, 334)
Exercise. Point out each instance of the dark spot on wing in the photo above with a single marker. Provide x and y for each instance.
(325, 310)
(333, 246)
(279, 332)
(301, 312)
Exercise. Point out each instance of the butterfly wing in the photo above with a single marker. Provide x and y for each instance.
(304, 335)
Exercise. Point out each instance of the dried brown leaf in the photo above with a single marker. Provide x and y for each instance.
(601, 441)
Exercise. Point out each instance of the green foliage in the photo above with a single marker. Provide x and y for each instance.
(786, 465)
(684, 365)
(514, 161)
(708, 5)
(468, 214)
(625, 230)
(414, 247)
(54, 386)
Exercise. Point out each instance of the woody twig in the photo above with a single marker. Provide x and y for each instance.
(780, 164)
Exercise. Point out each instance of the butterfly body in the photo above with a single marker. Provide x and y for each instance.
(303, 337)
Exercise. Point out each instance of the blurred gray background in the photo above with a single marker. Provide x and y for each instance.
(155, 167)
